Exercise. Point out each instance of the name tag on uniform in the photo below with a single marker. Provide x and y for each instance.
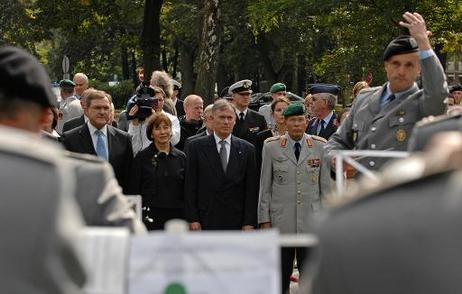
(254, 130)
(315, 162)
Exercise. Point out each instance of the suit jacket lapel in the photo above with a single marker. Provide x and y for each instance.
(304, 152)
(86, 141)
(234, 154)
(289, 152)
(374, 105)
(211, 153)
(112, 143)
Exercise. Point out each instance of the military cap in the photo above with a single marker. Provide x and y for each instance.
(22, 76)
(176, 84)
(225, 93)
(241, 86)
(400, 45)
(324, 88)
(456, 87)
(66, 83)
(294, 109)
(278, 87)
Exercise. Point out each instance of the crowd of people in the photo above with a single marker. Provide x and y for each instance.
(225, 167)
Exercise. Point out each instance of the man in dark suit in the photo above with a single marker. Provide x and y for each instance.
(248, 122)
(74, 123)
(220, 182)
(98, 138)
(324, 98)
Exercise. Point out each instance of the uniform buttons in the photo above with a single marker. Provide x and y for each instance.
(298, 172)
(401, 119)
(373, 146)
(298, 182)
(299, 192)
(373, 129)
(298, 202)
(371, 163)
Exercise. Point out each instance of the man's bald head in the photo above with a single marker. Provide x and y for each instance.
(193, 107)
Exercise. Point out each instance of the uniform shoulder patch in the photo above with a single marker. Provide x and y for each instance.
(320, 139)
(270, 139)
(430, 120)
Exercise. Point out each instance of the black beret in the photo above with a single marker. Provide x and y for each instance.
(22, 76)
(456, 87)
(400, 45)
(324, 88)
(294, 109)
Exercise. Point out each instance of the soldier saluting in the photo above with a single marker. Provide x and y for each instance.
(382, 118)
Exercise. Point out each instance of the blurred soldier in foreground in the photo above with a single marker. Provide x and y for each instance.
(400, 234)
(40, 219)
(97, 192)
(294, 180)
(382, 118)
(428, 127)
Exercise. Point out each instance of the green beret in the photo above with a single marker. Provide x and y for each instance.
(278, 87)
(294, 109)
(66, 83)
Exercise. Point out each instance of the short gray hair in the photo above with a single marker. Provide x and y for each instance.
(222, 104)
(331, 99)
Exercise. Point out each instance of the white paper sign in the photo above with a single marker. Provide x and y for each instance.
(206, 262)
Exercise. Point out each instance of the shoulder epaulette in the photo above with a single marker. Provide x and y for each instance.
(320, 139)
(270, 139)
(430, 120)
(283, 141)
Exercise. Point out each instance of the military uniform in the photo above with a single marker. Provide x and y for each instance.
(370, 127)
(40, 219)
(397, 235)
(291, 191)
(425, 129)
(69, 108)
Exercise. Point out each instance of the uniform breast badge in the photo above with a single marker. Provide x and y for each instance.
(401, 135)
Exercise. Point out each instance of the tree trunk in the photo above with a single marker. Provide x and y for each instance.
(187, 69)
(208, 51)
(133, 71)
(125, 68)
(150, 37)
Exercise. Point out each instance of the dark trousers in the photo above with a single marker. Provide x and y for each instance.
(288, 255)
(156, 218)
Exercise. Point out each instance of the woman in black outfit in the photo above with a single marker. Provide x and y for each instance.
(158, 175)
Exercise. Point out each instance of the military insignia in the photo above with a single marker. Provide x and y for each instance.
(355, 136)
(401, 135)
(60, 115)
(254, 130)
(309, 142)
(401, 113)
(314, 162)
(246, 84)
(283, 141)
(314, 177)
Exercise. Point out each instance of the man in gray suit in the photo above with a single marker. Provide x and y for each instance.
(40, 220)
(382, 118)
(294, 179)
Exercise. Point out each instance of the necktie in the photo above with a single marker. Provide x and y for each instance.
(100, 146)
(322, 127)
(241, 117)
(389, 99)
(298, 147)
(223, 157)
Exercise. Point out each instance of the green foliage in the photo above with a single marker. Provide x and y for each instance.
(120, 93)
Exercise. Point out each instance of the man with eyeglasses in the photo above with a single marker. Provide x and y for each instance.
(248, 122)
